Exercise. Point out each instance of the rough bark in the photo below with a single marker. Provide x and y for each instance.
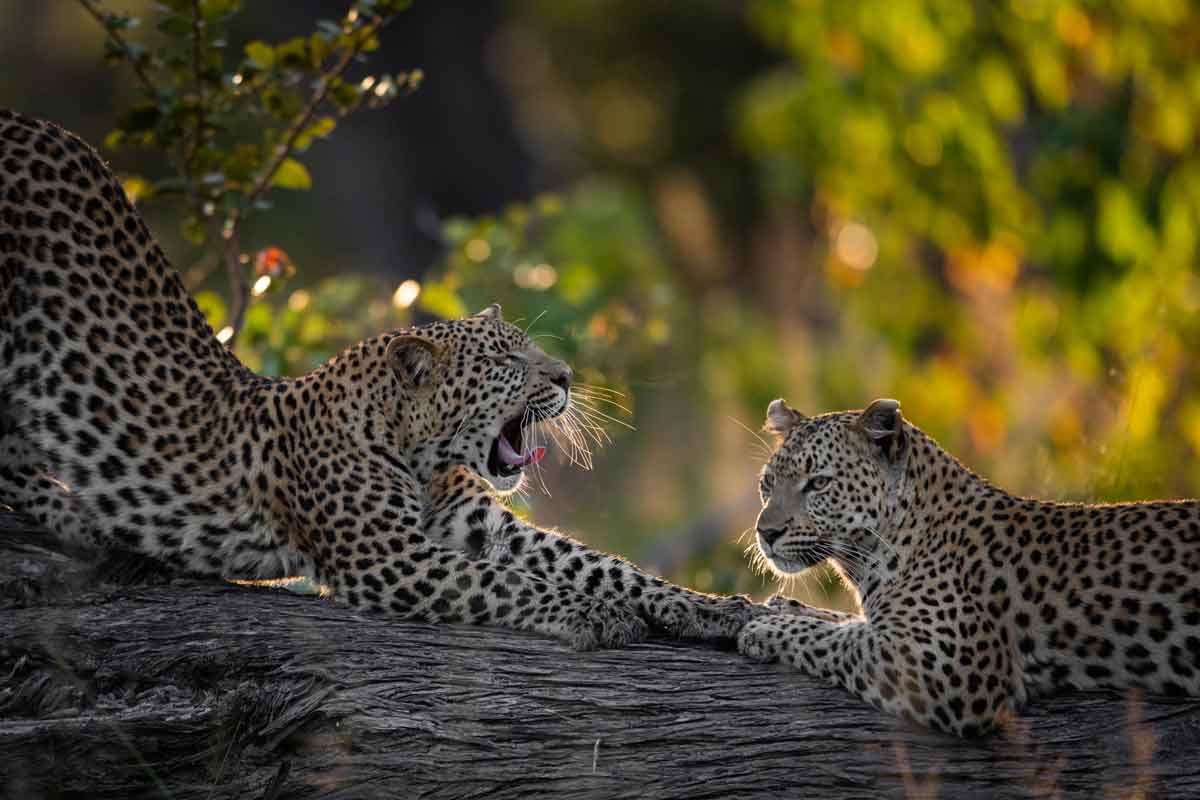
(191, 690)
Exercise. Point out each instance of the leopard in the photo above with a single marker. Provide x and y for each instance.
(126, 425)
(972, 599)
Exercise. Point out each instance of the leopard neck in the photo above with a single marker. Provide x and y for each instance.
(932, 507)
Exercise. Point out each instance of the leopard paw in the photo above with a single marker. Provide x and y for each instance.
(761, 640)
(598, 625)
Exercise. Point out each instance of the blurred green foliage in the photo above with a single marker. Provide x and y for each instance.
(986, 210)
(1008, 195)
(989, 211)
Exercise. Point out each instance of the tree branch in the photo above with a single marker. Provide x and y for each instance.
(238, 284)
(194, 690)
(92, 8)
(197, 141)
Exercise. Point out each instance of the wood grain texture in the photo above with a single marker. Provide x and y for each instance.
(187, 690)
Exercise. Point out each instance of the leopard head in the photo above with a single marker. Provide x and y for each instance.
(472, 392)
(825, 490)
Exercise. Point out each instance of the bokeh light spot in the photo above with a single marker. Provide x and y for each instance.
(478, 250)
(406, 294)
(855, 246)
(538, 277)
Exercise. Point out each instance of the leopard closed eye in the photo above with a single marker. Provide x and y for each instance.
(972, 598)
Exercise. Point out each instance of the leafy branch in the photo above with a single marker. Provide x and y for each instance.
(234, 128)
(117, 46)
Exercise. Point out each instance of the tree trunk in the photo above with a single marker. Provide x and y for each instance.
(182, 689)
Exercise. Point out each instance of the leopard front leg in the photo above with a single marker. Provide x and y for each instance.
(463, 513)
(438, 585)
(910, 675)
(377, 558)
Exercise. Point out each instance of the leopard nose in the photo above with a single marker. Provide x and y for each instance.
(770, 535)
(562, 376)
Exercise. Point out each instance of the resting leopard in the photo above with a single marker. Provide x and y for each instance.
(972, 599)
(125, 423)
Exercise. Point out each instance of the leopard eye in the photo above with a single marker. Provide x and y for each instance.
(764, 488)
(509, 359)
(817, 482)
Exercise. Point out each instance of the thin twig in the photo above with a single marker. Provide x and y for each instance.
(238, 289)
(91, 7)
(237, 281)
(293, 133)
(198, 140)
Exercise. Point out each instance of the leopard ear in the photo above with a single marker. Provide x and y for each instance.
(413, 358)
(491, 312)
(883, 425)
(781, 418)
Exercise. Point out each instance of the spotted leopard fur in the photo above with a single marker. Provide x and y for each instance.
(972, 598)
(463, 516)
(125, 423)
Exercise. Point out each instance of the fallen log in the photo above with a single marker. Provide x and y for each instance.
(116, 681)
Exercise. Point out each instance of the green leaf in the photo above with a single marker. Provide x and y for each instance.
(293, 54)
(319, 49)
(393, 6)
(344, 94)
(137, 188)
(241, 164)
(318, 130)
(213, 10)
(120, 22)
(292, 175)
(442, 301)
(212, 307)
(193, 230)
(261, 54)
(328, 29)
(258, 325)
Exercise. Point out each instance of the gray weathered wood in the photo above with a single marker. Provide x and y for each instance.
(190, 690)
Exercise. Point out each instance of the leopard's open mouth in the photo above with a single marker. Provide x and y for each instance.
(508, 455)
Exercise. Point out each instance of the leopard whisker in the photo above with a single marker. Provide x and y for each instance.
(534, 430)
(596, 432)
(534, 321)
(594, 398)
(597, 415)
(882, 541)
(571, 425)
(458, 431)
(575, 447)
(765, 448)
(591, 387)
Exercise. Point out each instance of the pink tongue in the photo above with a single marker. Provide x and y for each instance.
(512, 459)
